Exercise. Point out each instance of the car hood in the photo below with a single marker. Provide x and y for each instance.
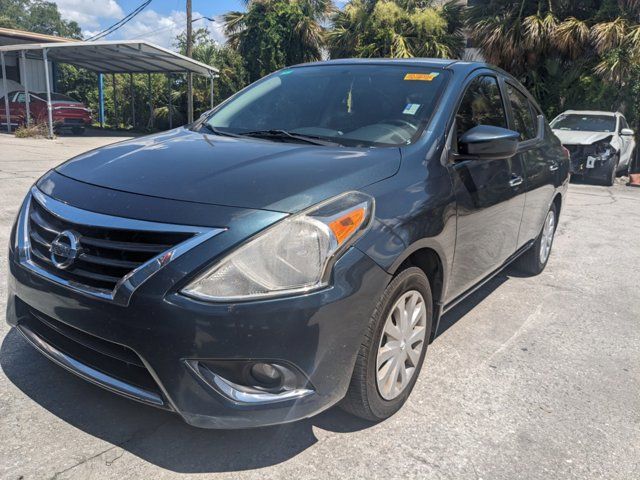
(576, 137)
(193, 166)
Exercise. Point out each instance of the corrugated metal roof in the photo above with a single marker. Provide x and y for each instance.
(32, 36)
(112, 56)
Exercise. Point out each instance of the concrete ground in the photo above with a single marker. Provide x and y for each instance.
(531, 378)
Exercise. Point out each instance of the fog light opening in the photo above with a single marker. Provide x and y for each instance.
(267, 375)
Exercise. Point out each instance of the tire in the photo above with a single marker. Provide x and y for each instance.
(612, 172)
(630, 165)
(78, 130)
(365, 398)
(533, 261)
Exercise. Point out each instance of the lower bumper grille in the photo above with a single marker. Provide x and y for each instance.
(107, 364)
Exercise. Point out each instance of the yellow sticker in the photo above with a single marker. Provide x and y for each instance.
(424, 77)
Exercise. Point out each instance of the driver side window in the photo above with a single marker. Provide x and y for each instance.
(481, 105)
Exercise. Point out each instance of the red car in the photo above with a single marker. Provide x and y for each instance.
(67, 112)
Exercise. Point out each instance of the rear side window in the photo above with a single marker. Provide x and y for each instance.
(481, 105)
(523, 119)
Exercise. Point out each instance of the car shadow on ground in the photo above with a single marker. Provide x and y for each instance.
(162, 438)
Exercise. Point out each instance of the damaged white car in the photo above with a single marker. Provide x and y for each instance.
(601, 143)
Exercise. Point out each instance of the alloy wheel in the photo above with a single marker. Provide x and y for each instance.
(547, 236)
(401, 344)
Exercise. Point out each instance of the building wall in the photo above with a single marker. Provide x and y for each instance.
(34, 66)
(34, 72)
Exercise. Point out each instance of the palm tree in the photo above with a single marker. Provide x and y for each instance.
(546, 42)
(273, 33)
(396, 29)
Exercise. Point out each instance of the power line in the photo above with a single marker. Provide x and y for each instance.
(176, 26)
(121, 22)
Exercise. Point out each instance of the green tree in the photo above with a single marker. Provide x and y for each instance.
(397, 29)
(233, 75)
(271, 34)
(570, 54)
(37, 16)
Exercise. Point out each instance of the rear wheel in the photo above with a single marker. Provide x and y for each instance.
(534, 260)
(393, 350)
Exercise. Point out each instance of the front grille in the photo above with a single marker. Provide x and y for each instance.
(580, 152)
(105, 255)
(107, 357)
(73, 121)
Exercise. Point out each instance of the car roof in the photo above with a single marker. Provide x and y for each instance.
(591, 112)
(458, 65)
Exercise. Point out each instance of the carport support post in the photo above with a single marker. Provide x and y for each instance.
(211, 87)
(133, 102)
(48, 90)
(170, 103)
(7, 110)
(101, 98)
(150, 125)
(115, 101)
(26, 86)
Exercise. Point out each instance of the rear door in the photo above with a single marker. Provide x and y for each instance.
(489, 193)
(539, 159)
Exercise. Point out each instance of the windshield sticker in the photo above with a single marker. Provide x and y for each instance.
(411, 108)
(425, 77)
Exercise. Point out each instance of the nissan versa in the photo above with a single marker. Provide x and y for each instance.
(295, 247)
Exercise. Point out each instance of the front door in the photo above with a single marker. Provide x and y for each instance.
(627, 142)
(540, 165)
(489, 193)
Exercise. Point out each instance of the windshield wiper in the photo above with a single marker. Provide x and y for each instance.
(284, 134)
(215, 131)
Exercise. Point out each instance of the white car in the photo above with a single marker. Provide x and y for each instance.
(601, 143)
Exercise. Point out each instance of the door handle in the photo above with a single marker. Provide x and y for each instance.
(515, 181)
(553, 167)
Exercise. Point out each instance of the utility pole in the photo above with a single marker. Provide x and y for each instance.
(189, 54)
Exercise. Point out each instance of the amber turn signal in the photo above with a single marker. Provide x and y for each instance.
(344, 226)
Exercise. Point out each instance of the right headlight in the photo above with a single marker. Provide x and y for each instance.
(293, 256)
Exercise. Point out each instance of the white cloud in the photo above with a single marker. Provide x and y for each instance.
(163, 29)
(88, 13)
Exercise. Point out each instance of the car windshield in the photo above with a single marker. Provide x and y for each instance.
(585, 123)
(355, 105)
(58, 97)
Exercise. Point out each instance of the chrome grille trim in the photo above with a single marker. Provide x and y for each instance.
(127, 285)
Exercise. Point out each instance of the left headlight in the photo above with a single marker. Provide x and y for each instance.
(293, 256)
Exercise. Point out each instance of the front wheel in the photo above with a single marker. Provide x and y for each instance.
(393, 350)
(534, 260)
(611, 173)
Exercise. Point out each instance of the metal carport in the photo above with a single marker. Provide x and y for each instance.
(103, 57)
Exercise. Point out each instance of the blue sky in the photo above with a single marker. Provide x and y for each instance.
(159, 23)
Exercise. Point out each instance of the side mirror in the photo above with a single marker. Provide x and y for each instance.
(627, 132)
(488, 142)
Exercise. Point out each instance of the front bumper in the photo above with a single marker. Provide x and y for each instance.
(581, 165)
(145, 347)
(318, 333)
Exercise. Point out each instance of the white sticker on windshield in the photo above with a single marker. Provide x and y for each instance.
(411, 108)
